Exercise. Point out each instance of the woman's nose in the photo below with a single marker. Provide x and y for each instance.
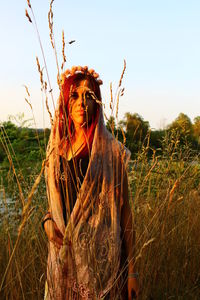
(81, 100)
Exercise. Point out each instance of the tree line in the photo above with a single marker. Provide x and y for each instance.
(136, 132)
(28, 145)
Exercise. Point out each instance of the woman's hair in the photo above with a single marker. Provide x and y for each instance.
(75, 79)
(64, 115)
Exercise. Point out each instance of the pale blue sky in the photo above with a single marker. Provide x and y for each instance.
(160, 41)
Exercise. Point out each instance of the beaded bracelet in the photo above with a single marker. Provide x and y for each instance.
(133, 275)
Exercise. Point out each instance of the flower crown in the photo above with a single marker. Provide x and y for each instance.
(84, 70)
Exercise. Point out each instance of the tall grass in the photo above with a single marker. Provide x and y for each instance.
(165, 203)
(24, 249)
(165, 200)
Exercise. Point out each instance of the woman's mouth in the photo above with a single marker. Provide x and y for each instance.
(80, 112)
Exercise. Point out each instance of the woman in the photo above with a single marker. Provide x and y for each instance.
(89, 223)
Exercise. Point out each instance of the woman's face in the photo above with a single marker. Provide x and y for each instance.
(82, 103)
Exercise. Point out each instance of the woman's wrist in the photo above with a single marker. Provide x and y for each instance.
(44, 221)
(47, 217)
(131, 271)
(131, 268)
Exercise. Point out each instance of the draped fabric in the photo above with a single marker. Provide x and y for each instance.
(87, 265)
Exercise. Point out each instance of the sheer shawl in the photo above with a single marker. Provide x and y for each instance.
(87, 264)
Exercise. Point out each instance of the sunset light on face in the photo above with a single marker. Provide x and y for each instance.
(82, 104)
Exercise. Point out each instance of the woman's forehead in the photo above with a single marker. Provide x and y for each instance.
(82, 84)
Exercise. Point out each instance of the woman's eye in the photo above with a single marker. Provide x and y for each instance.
(88, 96)
(73, 96)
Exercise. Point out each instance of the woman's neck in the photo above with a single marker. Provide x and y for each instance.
(78, 141)
(80, 134)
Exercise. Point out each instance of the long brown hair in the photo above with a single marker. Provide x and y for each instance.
(65, 120)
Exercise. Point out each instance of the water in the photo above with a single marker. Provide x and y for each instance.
(6, 205)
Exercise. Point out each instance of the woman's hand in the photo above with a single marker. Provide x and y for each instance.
(133, 288)
(53, 233)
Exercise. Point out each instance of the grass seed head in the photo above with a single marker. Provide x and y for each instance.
(41, 72)
(63, 50)
(29, 4)
(120, 81)
(27, 15)
(27, 91)
(47, 106)
(50, 20)
(28, 103)
(122, 92)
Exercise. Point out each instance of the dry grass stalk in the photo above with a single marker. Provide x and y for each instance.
(63, 50)
(172, 192)
(119, 93)
(47, 106)
(17, 267)
(143, 247)
(5, 146)
(122, 92)
(105, 116)
(27, 15)
(117, 106)
(27, 91)
(30, 196)
(29, 4)
(122, 75)
(25, 216)
(50, 20)
(43, 55)
(44, 88)
(5, 142)
(59, 80)
(52, 39)
(171, 195)
(175, 186)
(40, 71)
(123, 134)
(28, 103)
(111, 97)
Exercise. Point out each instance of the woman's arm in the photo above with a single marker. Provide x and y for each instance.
(128, 234)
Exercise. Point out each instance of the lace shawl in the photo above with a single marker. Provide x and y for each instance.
(88, 262)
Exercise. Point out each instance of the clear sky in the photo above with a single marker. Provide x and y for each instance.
(160, 41)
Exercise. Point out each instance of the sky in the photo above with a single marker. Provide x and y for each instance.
(160, 41)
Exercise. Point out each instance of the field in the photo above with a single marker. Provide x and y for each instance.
(165, 200)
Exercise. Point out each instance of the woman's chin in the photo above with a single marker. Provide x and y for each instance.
(81, 122)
